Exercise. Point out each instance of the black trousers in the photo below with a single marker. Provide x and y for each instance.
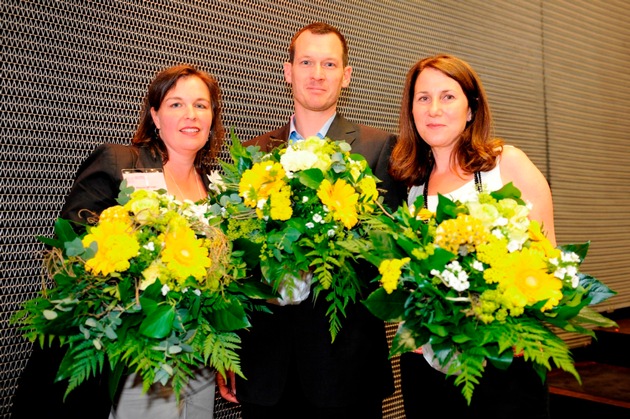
(515, 393)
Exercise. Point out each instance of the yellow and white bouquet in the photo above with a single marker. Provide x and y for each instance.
(479, 282)
(296, 210)
(153, 288)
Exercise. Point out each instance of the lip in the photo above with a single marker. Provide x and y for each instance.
(434, 125)
(190, 130)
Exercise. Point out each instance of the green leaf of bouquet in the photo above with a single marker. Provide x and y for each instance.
(232, 317)
(384, 248)
(589, 316)
(253, 288)
(580, 249)
(404, 341)
(64, 231)
(508, 191)
(51, 242)
(311, 178)
(387, 307)
(596, 291)
(159, 323)
(75, 247)
(437, 260)
(251, 251)
(124, 195)
(446, 209)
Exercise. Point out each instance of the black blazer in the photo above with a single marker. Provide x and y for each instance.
(295, 339)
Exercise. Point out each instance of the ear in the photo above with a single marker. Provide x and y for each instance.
(288, 68)
(469, 115)
(156, 120)
(347, 72)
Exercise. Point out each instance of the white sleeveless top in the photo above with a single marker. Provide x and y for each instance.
(491, 181)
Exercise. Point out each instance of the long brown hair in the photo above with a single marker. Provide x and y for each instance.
(476, 149)
(146, 135)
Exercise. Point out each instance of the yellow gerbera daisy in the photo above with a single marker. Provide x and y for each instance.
(184, 254)
(341, 200)
(116, 244)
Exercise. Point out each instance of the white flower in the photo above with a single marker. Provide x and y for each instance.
(149, 246)
(185, 290)
(478, 266)
(261, 203)
(309, 225)
(197, 291)
(318, 218)
(453, 276)
(304, 199)
(165, 289)
(331, 232)
(216, 182)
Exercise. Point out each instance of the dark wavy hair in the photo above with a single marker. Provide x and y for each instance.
(319, 28)
(476, 150)
(146, 135)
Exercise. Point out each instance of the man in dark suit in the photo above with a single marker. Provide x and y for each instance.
(293, 369)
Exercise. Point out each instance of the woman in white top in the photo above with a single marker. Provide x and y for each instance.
(446, 146)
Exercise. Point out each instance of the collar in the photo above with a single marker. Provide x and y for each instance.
(296, 136)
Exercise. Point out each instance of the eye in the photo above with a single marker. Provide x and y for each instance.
(175, 105)
(202, 106)
(449, 96)
(305, 62)
(330, 65)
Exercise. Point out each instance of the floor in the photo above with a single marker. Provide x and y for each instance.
(604, 369)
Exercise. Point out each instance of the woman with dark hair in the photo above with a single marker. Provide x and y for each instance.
(446, 146)
(178, 136)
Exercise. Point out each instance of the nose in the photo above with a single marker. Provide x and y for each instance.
(191, 112)
(435, 107)
(318, 72)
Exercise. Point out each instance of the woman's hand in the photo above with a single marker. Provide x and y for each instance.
(227, 389)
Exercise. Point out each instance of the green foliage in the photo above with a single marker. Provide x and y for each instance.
(164, 333)
(309, 238)
(459, 295)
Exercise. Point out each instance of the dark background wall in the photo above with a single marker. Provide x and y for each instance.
(73, 74)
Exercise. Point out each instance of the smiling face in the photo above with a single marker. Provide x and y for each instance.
(317, 73)
(440, 109)
(184, 117)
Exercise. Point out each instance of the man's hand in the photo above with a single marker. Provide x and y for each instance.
(227, 389)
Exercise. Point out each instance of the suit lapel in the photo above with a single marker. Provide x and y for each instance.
(342, 130)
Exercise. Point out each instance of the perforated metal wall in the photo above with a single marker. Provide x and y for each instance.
(73, 74)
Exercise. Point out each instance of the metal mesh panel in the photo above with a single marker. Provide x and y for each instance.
(73, 74)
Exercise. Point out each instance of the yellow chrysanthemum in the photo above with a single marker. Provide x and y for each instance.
(184, 254)
(280, 204)
(367, 186)
(463, 231)
(114, 213)
(116, 244)
(260, 181)
(390, 271)
(540, 241)
(341, 200)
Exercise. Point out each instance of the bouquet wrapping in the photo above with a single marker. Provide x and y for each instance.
(298, 213)
(478, 282)
(154, 287)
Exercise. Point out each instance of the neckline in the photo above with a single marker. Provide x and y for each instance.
(478, 188)
(181, 194)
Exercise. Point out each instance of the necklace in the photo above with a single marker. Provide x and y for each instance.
(425, 192)
(181, 194)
